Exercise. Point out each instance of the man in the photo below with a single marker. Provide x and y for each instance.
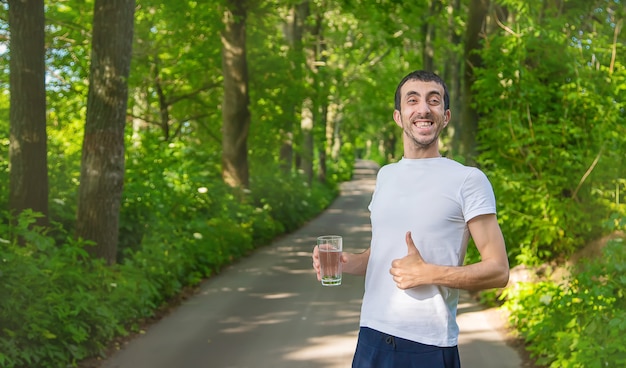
(423, 211)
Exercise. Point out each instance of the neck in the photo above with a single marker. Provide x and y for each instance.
(430, 152)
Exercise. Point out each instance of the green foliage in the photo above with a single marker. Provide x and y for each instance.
(59, 306)
(282, 197)
(580, 323)
(552, 132)
(342, 169)
(175, 78)
(51, 307)
(196, 197)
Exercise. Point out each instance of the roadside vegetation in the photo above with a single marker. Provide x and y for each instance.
(58, 305)
(576, 320)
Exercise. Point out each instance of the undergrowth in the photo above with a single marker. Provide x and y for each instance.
(58, 306)
(578, 323)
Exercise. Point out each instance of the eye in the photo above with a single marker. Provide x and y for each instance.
(434, 101)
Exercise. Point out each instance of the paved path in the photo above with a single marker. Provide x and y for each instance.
(268, 310)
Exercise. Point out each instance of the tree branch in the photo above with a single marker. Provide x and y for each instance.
(587, 173)
(205, 87)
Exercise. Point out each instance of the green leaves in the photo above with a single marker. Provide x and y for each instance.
(49, 301)
(577, 323)
(547, 119)
(59, 306)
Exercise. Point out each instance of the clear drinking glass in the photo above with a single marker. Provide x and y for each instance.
(330, 248)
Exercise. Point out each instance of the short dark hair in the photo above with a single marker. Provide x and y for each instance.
(424, 76)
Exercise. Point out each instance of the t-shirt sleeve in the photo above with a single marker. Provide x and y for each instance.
(477, 195)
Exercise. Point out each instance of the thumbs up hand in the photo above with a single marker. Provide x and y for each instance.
(410, 270)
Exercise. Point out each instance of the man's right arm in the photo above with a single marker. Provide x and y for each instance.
(356, 263)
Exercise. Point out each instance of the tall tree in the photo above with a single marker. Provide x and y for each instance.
(293, 30)
(321, 124)
(28, 188)
(475, 29)
(452, 72)
(429, 29)
(235, 106)
(310, 105)
(102, 170)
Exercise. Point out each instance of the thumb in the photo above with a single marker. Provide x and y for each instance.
(411, 248)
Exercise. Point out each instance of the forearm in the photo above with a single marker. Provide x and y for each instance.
(356, 263)
(478, 276)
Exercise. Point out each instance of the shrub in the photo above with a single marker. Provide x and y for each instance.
(288, 199)
(50, 309)
(580, 323)
(59, 306)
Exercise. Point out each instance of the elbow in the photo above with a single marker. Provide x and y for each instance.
(502, 279)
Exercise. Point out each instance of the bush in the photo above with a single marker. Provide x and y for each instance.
(289, 200)
(51, 308)
(580, 323)
(59, 306)
(556, 174)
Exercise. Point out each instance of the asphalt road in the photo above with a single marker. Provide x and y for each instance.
(269, 310)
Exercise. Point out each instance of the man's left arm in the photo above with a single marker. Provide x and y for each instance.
(492, 271)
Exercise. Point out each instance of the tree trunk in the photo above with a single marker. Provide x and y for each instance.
(235, 111)
(469, 124)
(102, 170)
(293, 31)
(452, 76)
(428, 31)
(324, 142)
(28, 183)
(164, 109)
(334, 135)
(310, 105)
(306, 126)
(320, 106)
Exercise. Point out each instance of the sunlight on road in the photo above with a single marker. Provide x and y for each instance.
(334, 351)
(474, 324)
(245, 325)
(275, 296)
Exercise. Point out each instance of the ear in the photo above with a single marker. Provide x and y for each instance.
(397, 117)
(446, 118)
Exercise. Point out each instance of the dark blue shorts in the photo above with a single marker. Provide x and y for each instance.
(378, 350)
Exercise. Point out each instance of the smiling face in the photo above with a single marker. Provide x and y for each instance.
(422, 116)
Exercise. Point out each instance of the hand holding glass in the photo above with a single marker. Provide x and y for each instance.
(330, 248)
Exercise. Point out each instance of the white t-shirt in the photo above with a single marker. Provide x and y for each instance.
(434, 199)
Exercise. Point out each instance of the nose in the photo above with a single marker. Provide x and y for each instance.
(423, 108)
